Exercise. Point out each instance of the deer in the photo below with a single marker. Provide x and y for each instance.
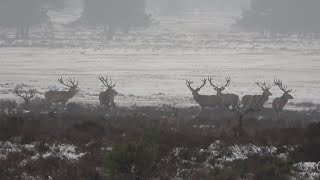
(63, 96)
(279, 102)
(25, 95)
(247, 100)
(106, 97)
(204, 100)
(228, 99)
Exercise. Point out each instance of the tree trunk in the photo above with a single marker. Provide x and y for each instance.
(19, 32)
(105, 29)
(26, 32)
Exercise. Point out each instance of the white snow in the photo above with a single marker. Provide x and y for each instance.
(62, 151)
(306, 170)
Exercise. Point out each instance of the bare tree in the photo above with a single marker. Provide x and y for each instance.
(204, 100)
(106, 98)
(279, 102)
(172, 120)
(228, 99)
(25, 95)
(63, 96)
(240, 111)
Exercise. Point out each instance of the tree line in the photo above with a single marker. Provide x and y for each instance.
(113, 15)
(273, 16)
(116, 14)
(282, 16)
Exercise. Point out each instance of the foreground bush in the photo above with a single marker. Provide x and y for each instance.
(263, 168)
(132, 160)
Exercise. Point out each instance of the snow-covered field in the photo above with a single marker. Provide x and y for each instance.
(150, 67)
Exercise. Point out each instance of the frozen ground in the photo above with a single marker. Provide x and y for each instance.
(150, 67)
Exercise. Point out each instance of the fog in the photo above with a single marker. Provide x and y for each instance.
(155, 31)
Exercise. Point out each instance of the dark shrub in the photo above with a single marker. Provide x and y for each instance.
(134, 159)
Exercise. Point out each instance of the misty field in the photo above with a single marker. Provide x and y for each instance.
(150, 67)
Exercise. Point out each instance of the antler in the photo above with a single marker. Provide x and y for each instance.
(204, 82)
(105, 82)
(71, 81)
(26, 95)
(278, 82)
(188, 83)
(263, 85)
(228, 80)
(210, 81)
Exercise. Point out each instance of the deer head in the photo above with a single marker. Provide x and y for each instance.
(265, 88)
(217, 88)
(71, 83)
(109, 85)
(284, 88)
(195, 92)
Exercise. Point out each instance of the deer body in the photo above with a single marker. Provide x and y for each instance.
(279, 103)
(62, 96)
(228, 99)
(208, 100)
(257, 101)
(204, 100)
(106, 98)
(59, 96)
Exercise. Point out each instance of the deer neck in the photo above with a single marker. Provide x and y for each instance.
(71, 93)
(284, 99)
(265, 96)
(196, 96)
(219, 93)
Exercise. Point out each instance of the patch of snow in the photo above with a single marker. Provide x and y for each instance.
(62, 151)
(306, 170)
(7, 147)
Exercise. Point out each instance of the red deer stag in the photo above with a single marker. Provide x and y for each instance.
(247, 100)
(228, 99)
(204, 100)
(25, 95)
(106, 98)
(63, 96)
(279, 103)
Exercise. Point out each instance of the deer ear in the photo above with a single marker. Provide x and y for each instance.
(215, 88)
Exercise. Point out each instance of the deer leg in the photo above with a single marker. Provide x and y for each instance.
(113, 104)
(276, 113)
